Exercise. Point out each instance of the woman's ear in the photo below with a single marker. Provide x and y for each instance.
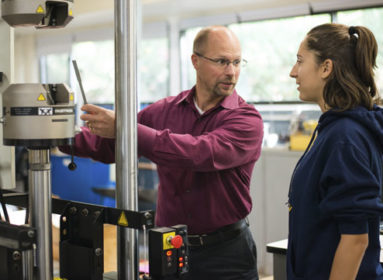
(326, 68)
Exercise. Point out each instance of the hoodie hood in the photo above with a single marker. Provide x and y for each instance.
(372, 120)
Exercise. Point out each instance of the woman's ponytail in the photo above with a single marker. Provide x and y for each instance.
(366, 50)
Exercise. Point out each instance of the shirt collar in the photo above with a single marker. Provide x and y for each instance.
(230, 102)
(187, 96)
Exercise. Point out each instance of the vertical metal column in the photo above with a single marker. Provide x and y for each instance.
(40, 207)
(27, 259)
(126, 131)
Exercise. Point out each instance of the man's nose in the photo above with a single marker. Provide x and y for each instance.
(230, 68)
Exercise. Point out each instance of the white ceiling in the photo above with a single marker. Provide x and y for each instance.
(159, 10)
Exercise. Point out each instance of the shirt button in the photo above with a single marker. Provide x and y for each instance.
(188, 191)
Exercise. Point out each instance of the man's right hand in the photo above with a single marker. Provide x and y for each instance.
(100, 121)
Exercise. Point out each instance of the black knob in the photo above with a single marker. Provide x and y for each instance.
(72, 166)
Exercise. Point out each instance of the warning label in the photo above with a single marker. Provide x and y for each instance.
(122, 221)
(40, 10)
(41, 97)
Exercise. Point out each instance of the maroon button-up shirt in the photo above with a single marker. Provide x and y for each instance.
(204, 161)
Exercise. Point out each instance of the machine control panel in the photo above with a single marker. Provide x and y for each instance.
(168, 252)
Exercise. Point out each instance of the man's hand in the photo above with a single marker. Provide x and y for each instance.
(101, 122)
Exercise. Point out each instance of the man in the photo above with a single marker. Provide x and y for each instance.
(205, 142)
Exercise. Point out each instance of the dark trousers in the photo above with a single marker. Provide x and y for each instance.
(234, 259)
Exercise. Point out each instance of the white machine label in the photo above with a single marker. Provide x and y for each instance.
(41, 111)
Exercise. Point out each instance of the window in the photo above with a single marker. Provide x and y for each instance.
(54, 68)
(188, 73)
(270, 47)
(95, 60)
(153, 70)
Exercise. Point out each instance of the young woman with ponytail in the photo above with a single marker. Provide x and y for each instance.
(335, 192)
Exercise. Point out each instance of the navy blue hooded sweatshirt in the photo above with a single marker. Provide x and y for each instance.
(336, 189)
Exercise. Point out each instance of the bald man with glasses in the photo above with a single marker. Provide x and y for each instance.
(205, 142)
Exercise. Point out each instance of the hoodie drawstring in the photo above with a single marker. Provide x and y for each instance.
(315, 133)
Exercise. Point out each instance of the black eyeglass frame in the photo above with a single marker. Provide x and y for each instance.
(223, 61)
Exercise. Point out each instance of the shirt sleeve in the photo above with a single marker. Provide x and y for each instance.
(88, 145)
(235, 142)
(349, 190)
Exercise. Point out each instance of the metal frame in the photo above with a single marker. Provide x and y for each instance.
(81, 237)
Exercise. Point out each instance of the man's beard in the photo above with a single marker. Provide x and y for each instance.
(220, 93)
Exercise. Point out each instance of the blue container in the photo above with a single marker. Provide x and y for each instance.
(78, 185)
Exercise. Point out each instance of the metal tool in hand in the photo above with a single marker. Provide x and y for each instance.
(79, 81)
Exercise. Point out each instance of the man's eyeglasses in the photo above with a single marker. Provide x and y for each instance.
(223, 62)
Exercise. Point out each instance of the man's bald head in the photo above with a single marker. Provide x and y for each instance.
(202, 38)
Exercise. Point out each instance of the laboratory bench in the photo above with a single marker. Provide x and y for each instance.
(278, 249)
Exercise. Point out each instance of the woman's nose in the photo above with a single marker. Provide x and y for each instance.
(293, 72)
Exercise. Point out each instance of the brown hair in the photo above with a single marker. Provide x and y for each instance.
(353, 51)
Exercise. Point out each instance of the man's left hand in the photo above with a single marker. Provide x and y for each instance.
(100, 121)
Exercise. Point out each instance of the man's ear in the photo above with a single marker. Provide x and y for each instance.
(326, 68)
(194, 59)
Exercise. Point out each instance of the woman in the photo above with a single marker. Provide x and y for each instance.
(335, 192)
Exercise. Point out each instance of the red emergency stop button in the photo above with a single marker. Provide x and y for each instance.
(176, 241)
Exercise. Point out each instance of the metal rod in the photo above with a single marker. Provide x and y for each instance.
(77, 71)
(125, 29)
(27, 257)
(40, 209)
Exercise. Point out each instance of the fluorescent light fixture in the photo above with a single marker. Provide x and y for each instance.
(344, 5)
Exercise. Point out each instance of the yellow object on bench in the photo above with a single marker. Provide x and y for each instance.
(300, 140)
